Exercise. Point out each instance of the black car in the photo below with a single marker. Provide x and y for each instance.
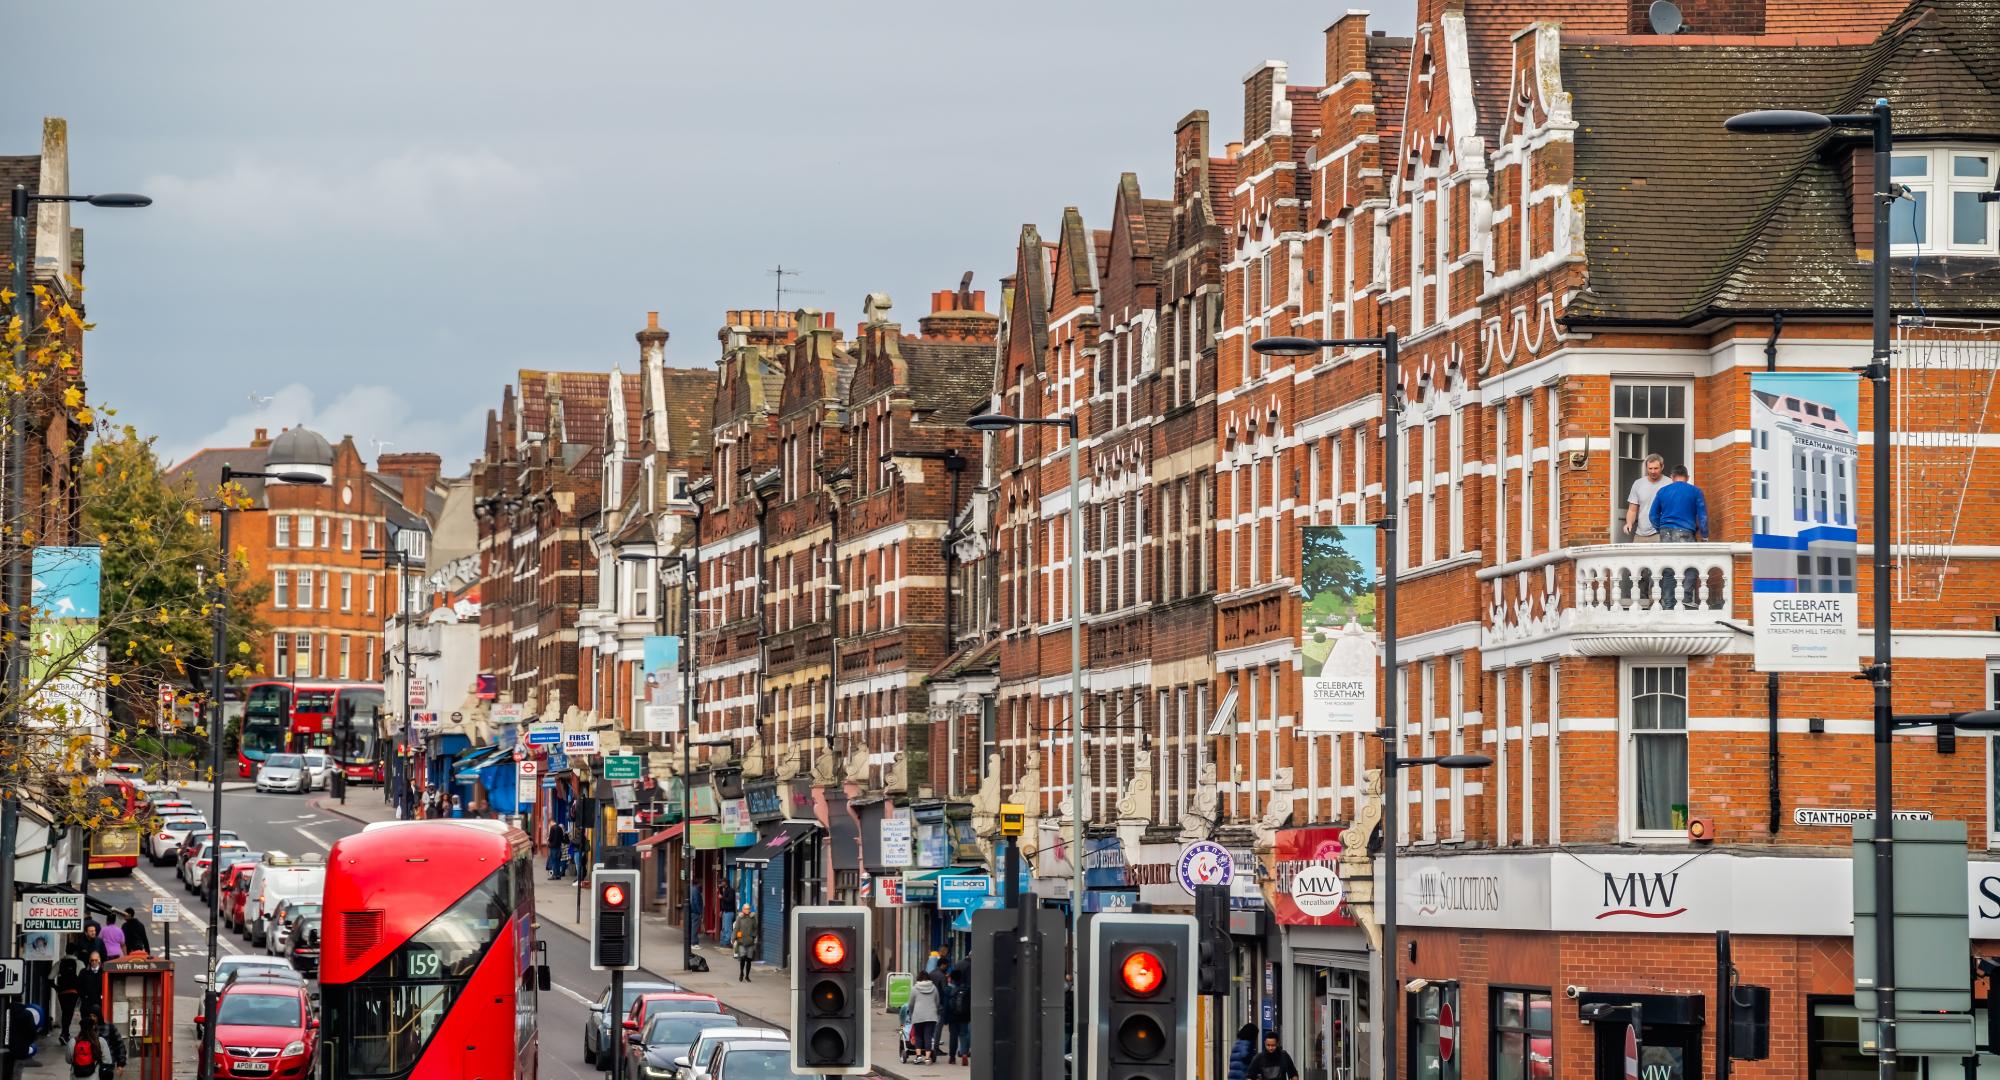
(650, 1055)
(303, 948)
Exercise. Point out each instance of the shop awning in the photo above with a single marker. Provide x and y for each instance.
(763, 851)
(671, 832)
(945, 871)
(468, 766)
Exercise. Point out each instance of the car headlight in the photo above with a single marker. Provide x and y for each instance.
(293, 1048)
(656, 1072)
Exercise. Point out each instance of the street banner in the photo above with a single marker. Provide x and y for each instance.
(1803, 453)
(66, 664)
(1339, 651)
(662, 661)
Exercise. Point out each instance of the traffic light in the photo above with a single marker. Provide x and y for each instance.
(1211, 912)
(1749, 1022)
(831, 1009)
(614, 922)
(1143, 995)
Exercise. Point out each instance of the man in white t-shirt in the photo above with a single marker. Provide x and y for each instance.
(1639, 502)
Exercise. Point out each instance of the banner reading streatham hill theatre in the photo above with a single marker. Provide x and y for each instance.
(1338, 652)
(1803, 454)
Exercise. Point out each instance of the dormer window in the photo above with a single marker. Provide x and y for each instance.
(1942, 214)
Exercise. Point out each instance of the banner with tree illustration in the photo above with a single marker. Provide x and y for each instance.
(1340, 654)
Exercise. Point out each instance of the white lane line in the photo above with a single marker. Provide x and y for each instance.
(322, 843)
(187, 912)
(578, 998)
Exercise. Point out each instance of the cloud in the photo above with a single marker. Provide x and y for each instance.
(420, 189)
(380, 419)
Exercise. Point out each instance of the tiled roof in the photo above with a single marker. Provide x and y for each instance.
(948, 379)
(1159, 235)
(206, 468)
(1683, 219)
(1389, 68)
(1222, 173)
(690, 392)
(1490, 26)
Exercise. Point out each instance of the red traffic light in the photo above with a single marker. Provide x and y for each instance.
(1143, 973)
(614, 894)
(829, 949)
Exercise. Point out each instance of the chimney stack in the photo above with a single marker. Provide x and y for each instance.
(261, 439)
(417, 471)
(960, 315)
(652, 341)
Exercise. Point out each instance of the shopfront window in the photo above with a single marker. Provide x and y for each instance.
(1335, 1046)
(1524, 1045)
(1428, 1017)
(1833, 1050)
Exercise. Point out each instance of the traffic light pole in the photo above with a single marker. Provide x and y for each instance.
(617, 1006)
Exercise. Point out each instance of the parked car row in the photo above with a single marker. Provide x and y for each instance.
(266, 1021)
(671, 1034)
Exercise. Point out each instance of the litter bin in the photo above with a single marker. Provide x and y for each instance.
(338, 784)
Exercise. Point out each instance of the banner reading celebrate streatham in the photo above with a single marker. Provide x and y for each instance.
(1803, 453)
(1339, 654)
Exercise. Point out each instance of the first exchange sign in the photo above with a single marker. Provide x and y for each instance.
(52, 911)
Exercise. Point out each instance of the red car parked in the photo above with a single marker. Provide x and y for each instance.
(235, 889)
(264, 1028)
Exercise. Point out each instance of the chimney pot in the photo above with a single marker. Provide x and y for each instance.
(652, 320)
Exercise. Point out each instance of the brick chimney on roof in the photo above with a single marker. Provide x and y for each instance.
(960, 315)
(261, 439)
(417, 471)
(652, 341)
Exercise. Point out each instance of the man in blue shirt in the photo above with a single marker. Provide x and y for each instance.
(1680, 512)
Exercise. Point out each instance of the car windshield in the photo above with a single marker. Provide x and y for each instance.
(755, 1064)
(634, 993)
(677, 1030)
(655, 1008)
(230, 965)
(283, 761)
(259, 1010)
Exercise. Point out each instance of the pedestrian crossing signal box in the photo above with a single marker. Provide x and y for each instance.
(1142, 997)
(832, 995)
(614, 920)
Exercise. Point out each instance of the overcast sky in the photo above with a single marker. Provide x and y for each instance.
(369, 215)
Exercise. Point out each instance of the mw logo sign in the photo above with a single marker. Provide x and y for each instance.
(1648, 896)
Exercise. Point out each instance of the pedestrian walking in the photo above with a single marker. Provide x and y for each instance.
(958, 1018)
(1241, 1051)
(138, 942)
(112, 1044)
(558, 840)
(924, 1012)
(113, 937)
(743, 942)
(90, 990)
(1639, 501)
(1680, 511)
(1273, 1063)
(69, 988)
(725, 902)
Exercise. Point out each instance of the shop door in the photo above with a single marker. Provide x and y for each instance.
(1339, 1034)
(1666, 1052)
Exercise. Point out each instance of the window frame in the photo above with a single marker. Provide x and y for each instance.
(1628, 735)
(1938, 186)
(1496, 1030)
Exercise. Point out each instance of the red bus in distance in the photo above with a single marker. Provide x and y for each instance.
(292, 716)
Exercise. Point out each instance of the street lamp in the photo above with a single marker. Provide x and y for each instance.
(218, 668)
(400, 559)
(17, 592)
(993, 424)
(1390, 733)
(1880, 125)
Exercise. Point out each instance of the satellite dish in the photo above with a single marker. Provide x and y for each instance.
(1665, 17)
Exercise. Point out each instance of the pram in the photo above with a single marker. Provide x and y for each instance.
(906, 1036)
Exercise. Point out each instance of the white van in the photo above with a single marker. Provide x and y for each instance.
(280, 877)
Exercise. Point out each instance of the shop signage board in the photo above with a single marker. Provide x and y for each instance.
(623, 767)
(1841, 819)
(963, 892)
(510, 712)
(526, 768)
(1205, 862)
(889, 891)
(579, 743)
(545, 733)
(420, 695)
(900, 983)
(61, 912)
(1317, 891)
(898, 839)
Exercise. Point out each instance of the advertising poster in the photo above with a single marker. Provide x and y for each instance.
(662, 663)
(1803, 454)
(1340, 655)
(65, 662)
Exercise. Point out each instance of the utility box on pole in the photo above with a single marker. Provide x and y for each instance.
(1933, 977)
(1017, 1023)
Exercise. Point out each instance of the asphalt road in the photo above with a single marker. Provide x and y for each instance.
(290, 824)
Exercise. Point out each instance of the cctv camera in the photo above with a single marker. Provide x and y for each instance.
(1572, 991)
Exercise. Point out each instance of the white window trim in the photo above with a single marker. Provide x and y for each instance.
(1688, 388)
(1934, 231)
(1627, 828)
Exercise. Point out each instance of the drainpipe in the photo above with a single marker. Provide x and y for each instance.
(1771, 677)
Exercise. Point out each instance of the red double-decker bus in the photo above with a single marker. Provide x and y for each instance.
(285, 716)
(428, 963)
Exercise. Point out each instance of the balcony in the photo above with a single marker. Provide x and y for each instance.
(1618, 600)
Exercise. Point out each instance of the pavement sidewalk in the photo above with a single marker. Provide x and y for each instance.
(765, 1000)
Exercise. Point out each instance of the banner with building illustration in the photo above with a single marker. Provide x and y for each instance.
(1803, 456)
(66, 664)
(1340, 655)
(661, 709)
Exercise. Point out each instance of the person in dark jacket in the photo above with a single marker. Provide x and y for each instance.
(1241, 1051)
(1273, 1063)
(960, 1011)
(136, 938)
(558, 839)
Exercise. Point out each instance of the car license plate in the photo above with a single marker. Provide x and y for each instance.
(253, 1066)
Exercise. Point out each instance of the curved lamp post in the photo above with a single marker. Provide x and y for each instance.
(1390, 733)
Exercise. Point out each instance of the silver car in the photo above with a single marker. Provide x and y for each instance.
(283, 772)
(751, 1059)
(694, 1064)
(318, 768)
(164, 843)
(598, 1045)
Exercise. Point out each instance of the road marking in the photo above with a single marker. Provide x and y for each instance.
(578, 998)
(187, 911)
(300, 829)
